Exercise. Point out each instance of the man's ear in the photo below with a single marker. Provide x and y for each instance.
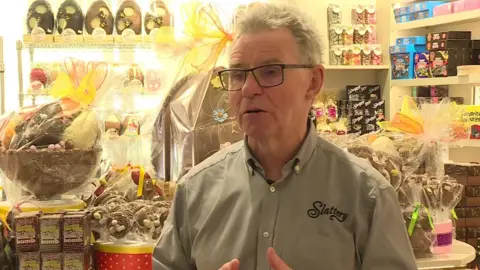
(316, 83)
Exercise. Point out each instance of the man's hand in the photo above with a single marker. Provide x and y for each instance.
(275, 261)
(231, 265)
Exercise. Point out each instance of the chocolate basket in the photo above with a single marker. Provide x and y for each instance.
(47, 174)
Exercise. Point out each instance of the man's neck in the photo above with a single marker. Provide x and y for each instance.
(274, 153)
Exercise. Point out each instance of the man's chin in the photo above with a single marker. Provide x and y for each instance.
(257, 131)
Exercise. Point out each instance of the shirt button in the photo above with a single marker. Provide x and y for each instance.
(272, 189)
(266, 234)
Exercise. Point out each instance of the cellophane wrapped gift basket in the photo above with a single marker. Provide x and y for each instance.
(408, 153)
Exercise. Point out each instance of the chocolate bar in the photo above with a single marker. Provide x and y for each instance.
(355, 92)
(52, 261)
(75, 232)
(29, 261)
(75, 261)
(372, 92)
(357, 108)
(26, 232)
(50, 233)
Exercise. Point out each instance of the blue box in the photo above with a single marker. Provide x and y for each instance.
(402, 66)
(408, 48)
(401, 11)
(416, 40)
(402, 18)
(421, 15)
(428, 5)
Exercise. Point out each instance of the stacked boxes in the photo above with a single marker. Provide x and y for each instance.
(417, 11)
(447, 50)
(402, 58)
(468, 210)
(363, 108)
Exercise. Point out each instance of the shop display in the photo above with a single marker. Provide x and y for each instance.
(416, 11)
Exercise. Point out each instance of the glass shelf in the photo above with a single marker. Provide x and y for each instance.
(99, 46)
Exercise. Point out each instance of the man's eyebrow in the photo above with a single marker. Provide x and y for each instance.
(236, 65)
(267, 62)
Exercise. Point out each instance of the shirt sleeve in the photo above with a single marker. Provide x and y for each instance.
(173, 248)
(388, 245)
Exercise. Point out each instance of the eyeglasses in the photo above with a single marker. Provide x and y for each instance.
(266, 76)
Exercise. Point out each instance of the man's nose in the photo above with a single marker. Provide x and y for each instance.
(251, 87)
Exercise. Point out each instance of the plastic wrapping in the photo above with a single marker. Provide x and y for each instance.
(426, 129)
(417, 221)
(195, 119)
(54, 148)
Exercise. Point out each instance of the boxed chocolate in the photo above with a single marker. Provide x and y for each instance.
(448, 44)
(476, 57)
(51, 261)
(438, 91)
(461, 233)
(379, 107)
(402, 66)
(370, 124)
(356, 92)
(75, 261)
(449, 35)
(76, 232)
(357, 108)
(372, 92)
(421, 65)
(476, 44)
(472, 191)
(26, 230)
(50, 233)
(29, 261)
(356, 124)
(444, 63)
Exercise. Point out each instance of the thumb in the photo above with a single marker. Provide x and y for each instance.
(275, 261)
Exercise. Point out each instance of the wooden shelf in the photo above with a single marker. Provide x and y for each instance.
(454, 80)
(99, 46)
(456, 18)
(461, 255)
(380, 67)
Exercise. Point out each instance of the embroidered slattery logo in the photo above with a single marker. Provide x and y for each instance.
(321, 209)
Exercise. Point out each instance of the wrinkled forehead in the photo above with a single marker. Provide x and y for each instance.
(264, 47)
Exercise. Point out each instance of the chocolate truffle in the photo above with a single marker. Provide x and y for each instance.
(99, 15)
(40, 15)
(70, 16)
(128, 16)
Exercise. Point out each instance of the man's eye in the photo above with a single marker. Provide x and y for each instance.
(271, 71)
(236, 75)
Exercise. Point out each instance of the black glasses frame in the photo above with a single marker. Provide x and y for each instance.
(283, 66)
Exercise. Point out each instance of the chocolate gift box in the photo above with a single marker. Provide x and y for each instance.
(128, 22)
(156, 17)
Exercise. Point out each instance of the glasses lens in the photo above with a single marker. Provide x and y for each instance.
(233, 80)
(269, 75)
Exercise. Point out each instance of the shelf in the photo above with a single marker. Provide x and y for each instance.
(461, 17)
(380, 67)
(465, 143)
(454, 80)
(461, 255)
(99, 46)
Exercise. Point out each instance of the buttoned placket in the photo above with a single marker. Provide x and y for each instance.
(267, 223)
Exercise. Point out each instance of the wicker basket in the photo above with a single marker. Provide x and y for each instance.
(47, 174)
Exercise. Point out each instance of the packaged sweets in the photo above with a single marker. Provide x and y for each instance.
(336, 55)
(371, 14)
(334, 13)
(356, 59)
(359, 14)
(371, 35)
(336, 35)
(366, 55)
(360, 34)
(347, 56)
(377, 55)
(348, 35)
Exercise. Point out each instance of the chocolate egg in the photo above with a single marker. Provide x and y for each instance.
(70, 16)
(40, 15)
(157, 17)
(128, 16)
(99, 15)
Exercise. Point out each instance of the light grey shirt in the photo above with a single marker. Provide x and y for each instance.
(331, 210)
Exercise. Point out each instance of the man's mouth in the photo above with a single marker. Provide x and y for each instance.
(254, 111)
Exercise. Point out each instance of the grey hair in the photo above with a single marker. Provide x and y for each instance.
(268, 16)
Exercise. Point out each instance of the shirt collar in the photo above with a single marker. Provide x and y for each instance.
(300, 159)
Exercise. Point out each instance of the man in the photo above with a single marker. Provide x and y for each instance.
(283, 198)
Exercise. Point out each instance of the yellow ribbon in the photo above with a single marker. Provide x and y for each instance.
(207, 38)
(141, 177)
(84, 93)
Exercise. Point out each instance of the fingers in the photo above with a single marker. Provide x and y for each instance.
(231, 265)
(275, 261)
